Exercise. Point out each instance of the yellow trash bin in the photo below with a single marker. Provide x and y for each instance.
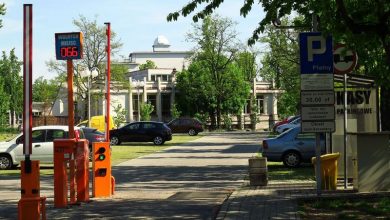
(328, 170)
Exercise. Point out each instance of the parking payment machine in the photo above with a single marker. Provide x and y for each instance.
(102, 180)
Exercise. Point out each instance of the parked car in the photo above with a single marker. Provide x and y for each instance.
(291, 147)
(93, 135)
(295, 123)
(284, 121)
(143, 131)
(185, 125)
(11, 152)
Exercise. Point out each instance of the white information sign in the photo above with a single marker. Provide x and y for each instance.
(317, 82)
(317, 97)
(317, 113)
(317, 126)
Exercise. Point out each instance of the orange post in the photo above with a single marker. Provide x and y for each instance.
(31, 205)
(63, 151)
(102, 185)
(82, 173)
(69, 65)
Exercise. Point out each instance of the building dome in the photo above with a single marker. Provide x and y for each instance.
(161, 41)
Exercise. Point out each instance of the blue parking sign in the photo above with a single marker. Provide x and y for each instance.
(316, 53)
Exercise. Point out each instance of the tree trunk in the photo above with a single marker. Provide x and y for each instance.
(212, 119)
(219, 114)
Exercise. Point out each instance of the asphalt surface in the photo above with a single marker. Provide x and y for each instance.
(190, 181)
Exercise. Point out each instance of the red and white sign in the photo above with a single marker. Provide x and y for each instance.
(344, 59)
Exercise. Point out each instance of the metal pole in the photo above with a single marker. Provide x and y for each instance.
(69, 64)
(108, 33)
(345, 131)
(318, 141)
(89, 99)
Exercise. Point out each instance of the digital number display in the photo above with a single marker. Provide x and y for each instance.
(69, 46)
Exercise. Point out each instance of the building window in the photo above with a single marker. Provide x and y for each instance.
(163, 77)
(166, 103)
(135, 104)
(153, 78)
(260, 104)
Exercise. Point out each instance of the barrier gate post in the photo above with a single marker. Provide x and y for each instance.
(63, 153)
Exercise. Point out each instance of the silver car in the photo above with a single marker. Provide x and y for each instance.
(292, 147)
(11, 152)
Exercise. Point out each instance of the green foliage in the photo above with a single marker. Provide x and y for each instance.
(12, 84)
(202, 117)
(227, 122)
(45, 91)
(213, 83)
(2, 12)
(148, 65)
(175, 112)
(4, 104)
(146, 110)
(120, 116)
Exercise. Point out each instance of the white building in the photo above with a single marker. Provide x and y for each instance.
(157, 86)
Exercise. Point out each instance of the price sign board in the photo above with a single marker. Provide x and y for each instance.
(317, 113)
(69, 46)
(317, 97)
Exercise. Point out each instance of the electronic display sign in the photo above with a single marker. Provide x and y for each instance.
(69, 46)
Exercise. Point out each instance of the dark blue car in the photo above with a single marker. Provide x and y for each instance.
(292, 147)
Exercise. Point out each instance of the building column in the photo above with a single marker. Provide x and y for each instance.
(130, 112)
(144, 93)
(158, 100)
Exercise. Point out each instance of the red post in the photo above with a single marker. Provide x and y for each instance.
(108, 33)
(69, 65)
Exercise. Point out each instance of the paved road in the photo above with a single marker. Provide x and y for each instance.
(184, 182)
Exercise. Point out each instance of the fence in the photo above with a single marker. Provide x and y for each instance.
(51, 120)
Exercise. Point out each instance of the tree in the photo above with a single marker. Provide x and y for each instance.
(364, 25)
(120, 116)
(146, 110)
(2, 12)
(45, 91)
(94, 55)
(217, 45)
(4, 104)
(13, 84)
(281, 66)
(246, 61)
(148, 65)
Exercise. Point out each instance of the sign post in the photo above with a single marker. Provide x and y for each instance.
(345, 61)
(317, 93)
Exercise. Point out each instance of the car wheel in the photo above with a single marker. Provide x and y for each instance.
(158, 140)
(5, 162)
(192, 132)
(292, 159)
(114, 140)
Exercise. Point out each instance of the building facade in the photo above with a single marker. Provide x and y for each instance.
(157, 86)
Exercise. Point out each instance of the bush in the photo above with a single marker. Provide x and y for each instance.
(146, 111)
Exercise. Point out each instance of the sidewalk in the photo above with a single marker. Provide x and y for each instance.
(275, 201)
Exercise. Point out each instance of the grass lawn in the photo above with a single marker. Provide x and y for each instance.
(345, 208)
(278, 172)
(126, 151)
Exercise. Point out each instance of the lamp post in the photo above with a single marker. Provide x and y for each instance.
(138, 84)
(90, 74)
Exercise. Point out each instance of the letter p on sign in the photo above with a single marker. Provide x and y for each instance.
(310, 46)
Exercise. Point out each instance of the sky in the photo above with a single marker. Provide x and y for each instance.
(137, 24)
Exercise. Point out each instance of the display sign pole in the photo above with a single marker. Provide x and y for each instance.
(108, 80)
(69, 65)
